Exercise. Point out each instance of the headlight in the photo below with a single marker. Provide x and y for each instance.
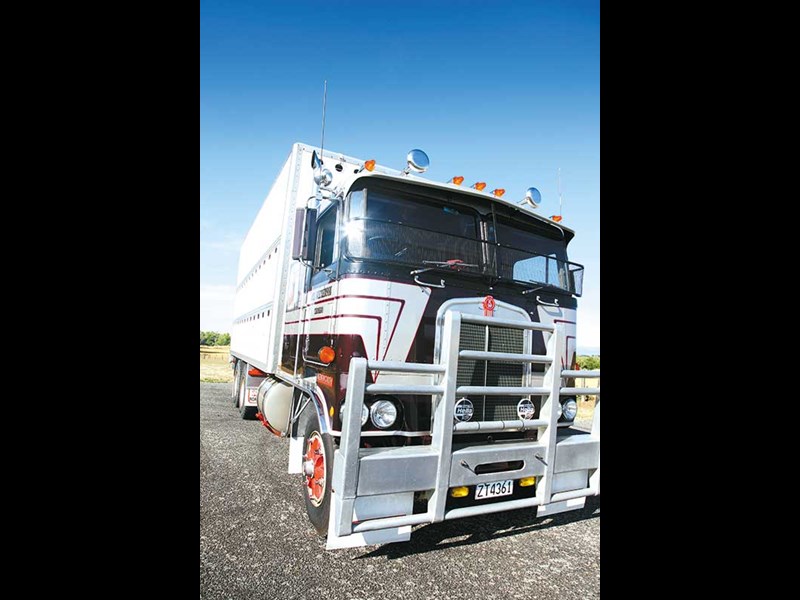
(364, 413)
(383, 414)
(569, 409)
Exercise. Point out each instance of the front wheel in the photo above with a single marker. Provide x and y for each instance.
(317, 474)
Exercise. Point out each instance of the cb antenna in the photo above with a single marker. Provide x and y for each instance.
(559, 192)
(324, 102)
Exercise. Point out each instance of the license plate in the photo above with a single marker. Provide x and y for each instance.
(493, 490)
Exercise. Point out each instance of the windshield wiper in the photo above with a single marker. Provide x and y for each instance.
(456, 263)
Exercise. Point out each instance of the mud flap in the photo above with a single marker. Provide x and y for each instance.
(296, 454)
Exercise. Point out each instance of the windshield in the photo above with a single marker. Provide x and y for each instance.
(422, 214)
(414, 230)
(531, 254)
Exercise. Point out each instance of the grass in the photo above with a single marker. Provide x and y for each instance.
(586, 403)
(214, 367)
(585, 408)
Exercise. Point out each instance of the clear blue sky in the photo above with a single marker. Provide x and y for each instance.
(502, 92)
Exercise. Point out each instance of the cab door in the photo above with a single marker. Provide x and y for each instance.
(320, 308)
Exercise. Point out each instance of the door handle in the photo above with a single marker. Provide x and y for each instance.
(553, 303)
(441, 282)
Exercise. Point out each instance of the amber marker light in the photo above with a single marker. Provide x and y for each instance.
(556, 218)
(498, 192)
(326, 354)
(457, 180)
(527, 481)
(459, 492)
(369, 165)
(479, 185)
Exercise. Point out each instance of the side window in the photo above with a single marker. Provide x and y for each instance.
(324, 254)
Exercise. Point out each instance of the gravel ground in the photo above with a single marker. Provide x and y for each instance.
(256, 542)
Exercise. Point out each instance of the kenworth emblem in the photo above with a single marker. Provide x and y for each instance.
(464, 410)
(488, 306)
(525, 409)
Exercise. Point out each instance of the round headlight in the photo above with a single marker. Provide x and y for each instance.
(569, 409)
(364, 413)
(383, 413)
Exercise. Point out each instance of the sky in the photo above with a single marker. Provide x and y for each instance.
(505, 93)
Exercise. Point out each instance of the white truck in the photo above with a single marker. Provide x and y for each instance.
(415, 341)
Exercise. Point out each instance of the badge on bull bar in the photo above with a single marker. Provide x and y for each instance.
(464, 410)
(525, 409)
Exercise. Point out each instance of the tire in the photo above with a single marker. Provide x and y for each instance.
(317, 498)
(248, 413)
(237, 374)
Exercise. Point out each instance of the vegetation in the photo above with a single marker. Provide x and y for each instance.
(586, 403)
(212, 338)
(214, 366)
(589, 363)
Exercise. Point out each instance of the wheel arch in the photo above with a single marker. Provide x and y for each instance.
(320, 409)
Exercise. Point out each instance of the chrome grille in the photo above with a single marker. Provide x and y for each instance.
(482, 373)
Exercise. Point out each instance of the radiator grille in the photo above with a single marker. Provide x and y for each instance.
(481, 372)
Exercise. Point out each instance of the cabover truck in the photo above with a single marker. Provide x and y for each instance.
(415, 342)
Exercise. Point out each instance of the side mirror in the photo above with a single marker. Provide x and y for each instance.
(532, 197)
(322, 176)
(305, 234)
(418, 161)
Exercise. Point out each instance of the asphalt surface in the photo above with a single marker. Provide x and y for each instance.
(256, 541)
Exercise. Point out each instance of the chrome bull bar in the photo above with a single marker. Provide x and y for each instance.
(359, 473)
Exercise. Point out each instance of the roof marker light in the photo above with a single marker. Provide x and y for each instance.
(498, 192)
(556, 218)
(479, 185)
(458, 180)
(369, 165)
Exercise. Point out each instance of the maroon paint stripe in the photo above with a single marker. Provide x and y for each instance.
(331, 298)
(366, 297)
(396, 323)
(323, 317)
(566, 350)
(379, 319)
(324, 300)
